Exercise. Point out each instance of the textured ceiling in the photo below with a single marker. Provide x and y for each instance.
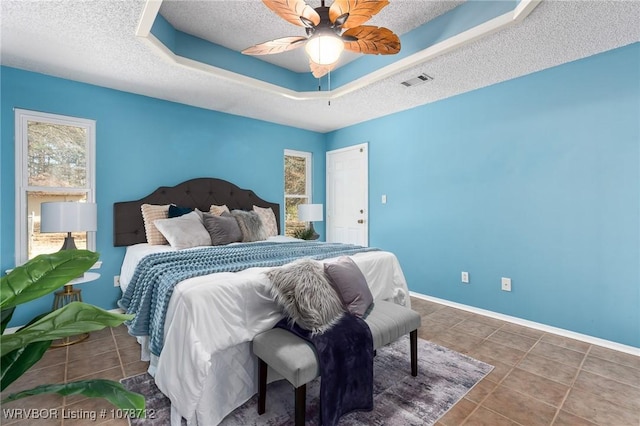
(240, 24)
(95, 42)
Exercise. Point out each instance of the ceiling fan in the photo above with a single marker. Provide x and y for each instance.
(325, 38)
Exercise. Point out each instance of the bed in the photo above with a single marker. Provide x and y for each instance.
(205, 365)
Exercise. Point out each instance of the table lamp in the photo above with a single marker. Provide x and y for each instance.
(310, 213)
(68, 217)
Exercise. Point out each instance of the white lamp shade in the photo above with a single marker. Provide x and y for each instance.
(310, 212)
(68, 217)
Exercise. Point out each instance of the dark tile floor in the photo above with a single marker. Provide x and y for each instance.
(538, 379)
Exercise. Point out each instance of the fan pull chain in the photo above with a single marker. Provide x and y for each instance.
(329, 84)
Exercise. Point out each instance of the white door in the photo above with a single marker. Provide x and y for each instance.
(348, 195)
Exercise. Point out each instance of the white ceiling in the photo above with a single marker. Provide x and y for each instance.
(95, 42)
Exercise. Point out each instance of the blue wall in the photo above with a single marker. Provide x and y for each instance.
(143, 143)
(536, 179)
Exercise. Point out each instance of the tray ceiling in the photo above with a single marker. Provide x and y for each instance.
(95, 42)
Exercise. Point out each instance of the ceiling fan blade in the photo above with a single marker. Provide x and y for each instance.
(371, 40)
(320, 70)
(276, 46)
(360, 11)
(292, 10)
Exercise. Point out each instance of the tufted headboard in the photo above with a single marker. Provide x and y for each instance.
(201, 193)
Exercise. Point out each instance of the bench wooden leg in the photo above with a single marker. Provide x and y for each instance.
(301, 404)
(413, 338)
(262, 385)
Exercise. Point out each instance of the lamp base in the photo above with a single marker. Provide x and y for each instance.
(314, 235)
(69, 243)
(62, 298)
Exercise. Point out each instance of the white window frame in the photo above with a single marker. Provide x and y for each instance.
(22, 117)
(308, 156)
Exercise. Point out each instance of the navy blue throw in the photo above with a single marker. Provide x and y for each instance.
(345, 358)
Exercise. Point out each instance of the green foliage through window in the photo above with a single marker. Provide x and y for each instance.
(56, 155)
(297, 176)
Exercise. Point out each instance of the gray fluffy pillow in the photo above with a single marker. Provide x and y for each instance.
(305, 295)
(250, 225)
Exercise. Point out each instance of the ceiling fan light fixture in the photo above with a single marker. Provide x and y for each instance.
(330, 30)
(324, 49)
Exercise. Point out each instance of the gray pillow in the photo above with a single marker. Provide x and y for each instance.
(223, 229)
(303, 292)
(250, 225)
(345, 276)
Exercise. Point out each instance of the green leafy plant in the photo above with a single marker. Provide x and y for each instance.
(303, 233)
(22, 349)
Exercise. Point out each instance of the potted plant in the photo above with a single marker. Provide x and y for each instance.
(22, 349)
(304, 233)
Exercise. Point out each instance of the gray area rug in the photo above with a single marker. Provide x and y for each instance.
(444, 377)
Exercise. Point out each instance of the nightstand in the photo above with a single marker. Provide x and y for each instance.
(67, 295)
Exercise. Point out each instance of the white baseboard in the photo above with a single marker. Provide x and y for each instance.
(632, 350)
(515, 320)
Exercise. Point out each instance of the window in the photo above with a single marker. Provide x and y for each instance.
(297, 187)
(55, 158)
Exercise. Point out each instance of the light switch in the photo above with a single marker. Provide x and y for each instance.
(384, 198)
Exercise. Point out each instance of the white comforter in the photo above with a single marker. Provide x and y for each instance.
(206, 367)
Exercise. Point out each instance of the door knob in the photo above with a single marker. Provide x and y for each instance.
(360, 221)
(361, 211)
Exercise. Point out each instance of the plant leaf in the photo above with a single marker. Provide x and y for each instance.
(42, 275)
(74, 318)
(112, 391)
(6, 317)
(15, 363)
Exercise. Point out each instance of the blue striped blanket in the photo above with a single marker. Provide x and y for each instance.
(150, 289)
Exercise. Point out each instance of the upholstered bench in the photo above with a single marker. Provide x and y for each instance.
(295, 359)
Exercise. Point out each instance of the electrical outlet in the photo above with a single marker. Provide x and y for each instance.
(116, 281)
(506, 284)
(464, 276)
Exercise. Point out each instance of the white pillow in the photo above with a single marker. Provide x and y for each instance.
(185, 231)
